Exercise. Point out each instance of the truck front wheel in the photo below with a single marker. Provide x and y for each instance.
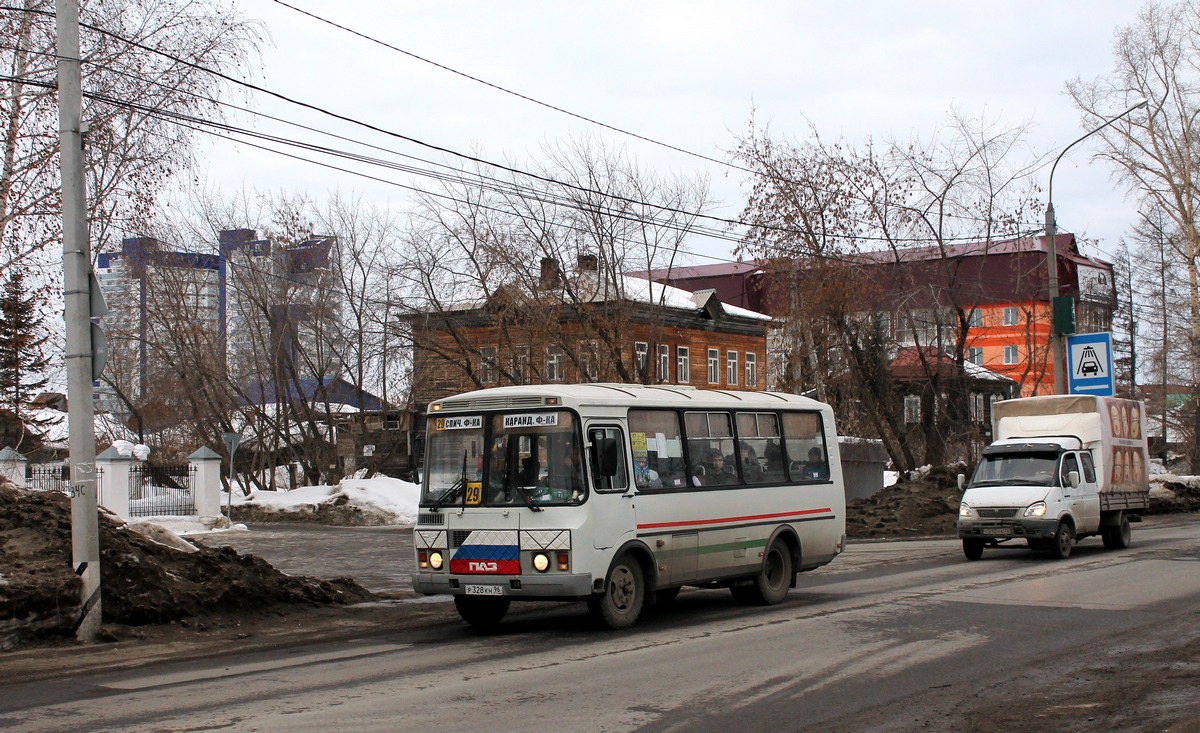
(973, 549)
(1063, 539)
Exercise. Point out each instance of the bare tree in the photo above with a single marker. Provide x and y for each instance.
(829, 207)
(1156, 154)
(510, 243)
(139, 63)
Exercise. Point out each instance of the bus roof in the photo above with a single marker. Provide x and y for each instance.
(613, 394)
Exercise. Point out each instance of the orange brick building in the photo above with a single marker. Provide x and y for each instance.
(1000, 286)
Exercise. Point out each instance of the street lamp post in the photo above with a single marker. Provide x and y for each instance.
(1056, 344)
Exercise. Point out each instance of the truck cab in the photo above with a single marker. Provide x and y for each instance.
(1042, 490)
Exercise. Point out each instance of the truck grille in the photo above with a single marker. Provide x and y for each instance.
(998, 513)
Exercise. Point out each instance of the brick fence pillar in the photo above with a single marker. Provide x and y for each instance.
(114, 481)
(207, 489)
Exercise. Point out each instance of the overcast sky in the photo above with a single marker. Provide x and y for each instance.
(683, 73)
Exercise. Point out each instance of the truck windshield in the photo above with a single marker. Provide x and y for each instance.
(526, 458)
(1001, 469)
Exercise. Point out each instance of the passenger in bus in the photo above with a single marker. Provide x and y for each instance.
(718, 471)
(774, 455)
(528, 474)
(816, 468)
(751, 468)
(644, 476)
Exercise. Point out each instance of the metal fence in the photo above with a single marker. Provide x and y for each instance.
(159, 490)
(47, 477)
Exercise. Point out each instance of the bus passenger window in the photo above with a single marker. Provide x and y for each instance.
(656, 438)
(804, 445)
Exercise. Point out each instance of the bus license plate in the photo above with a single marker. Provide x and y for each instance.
(484, 590)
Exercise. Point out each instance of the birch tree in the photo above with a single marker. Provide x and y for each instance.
(1155, 153)
(139, 64)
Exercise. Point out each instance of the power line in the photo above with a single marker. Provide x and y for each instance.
(525, 97)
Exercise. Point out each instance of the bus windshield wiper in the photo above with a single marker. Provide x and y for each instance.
(528, 498)
(457, 486)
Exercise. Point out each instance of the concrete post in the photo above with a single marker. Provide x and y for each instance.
(12, 466)
(114, 482)
(206, 492)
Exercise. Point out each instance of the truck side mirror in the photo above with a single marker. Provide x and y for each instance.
(1073, 479)
(962, 481)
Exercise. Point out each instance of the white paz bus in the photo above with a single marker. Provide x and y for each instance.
(618, 495)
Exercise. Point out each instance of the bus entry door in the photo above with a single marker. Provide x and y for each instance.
(612, 514)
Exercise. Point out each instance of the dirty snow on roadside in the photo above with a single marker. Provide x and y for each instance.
(385, 500)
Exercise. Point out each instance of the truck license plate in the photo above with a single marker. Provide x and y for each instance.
(484, 590)
(994, 530)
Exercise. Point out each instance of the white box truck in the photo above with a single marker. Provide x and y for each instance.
(1062, 468)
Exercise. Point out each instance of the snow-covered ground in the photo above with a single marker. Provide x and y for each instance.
(387, 500)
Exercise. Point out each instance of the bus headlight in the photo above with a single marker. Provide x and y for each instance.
(1037, 509)
(435, 560)
(541, 562)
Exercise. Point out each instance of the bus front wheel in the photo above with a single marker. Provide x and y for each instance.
(624, 595)
(482, 612)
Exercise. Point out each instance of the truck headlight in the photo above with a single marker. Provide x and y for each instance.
(1037, 509)
(965, 510)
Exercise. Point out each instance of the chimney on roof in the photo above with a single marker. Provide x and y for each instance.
(551, 276)
(588, 263)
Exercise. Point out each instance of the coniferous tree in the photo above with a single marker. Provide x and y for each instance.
(23, 359)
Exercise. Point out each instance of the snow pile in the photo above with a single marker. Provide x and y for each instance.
(127, 449)
(354, 502)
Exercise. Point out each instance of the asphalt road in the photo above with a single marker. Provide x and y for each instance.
(902, 636)
(381, 559)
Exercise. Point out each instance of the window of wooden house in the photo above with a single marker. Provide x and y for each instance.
(488, 371)
(714, 366)
(683, 364)
(555, 364)
(520, 364)
(641, 354)
(664, 363)
(751, 369)
(731, 368)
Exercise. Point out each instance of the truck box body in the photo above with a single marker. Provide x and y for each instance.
(1113, 429)
(1061, 468)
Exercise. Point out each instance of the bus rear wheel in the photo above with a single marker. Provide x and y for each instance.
(624, 595)
(771, 585)
(482, 612)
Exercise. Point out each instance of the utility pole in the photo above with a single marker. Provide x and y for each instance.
(77, 267)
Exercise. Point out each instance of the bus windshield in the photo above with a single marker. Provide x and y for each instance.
(502, 459)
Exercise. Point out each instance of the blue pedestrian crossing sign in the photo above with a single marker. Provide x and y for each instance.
(1089, 364)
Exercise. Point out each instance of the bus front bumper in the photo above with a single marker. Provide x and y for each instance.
(548, 587)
